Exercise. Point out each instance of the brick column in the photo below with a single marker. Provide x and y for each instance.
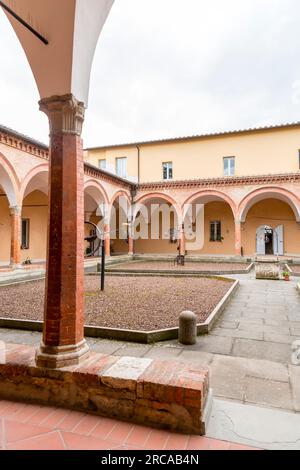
(63, 337)
(107, 239)
(130, 243)
(238, 238)
(15, 247)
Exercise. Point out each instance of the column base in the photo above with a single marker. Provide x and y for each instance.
(56, 357)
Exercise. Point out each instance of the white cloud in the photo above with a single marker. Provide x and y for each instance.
(168, 68)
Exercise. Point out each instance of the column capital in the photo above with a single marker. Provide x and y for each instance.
(15, 210)
(65, 113)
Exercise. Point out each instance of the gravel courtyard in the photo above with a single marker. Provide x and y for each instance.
(170, 266)
(145, 303)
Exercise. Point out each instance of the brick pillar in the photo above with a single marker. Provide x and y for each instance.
(181, 240)
(107, 239)
(15, 247)
(63, 337)
(130, 245)
(238, 238)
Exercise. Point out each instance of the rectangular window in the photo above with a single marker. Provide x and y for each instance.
(168, 171)
(102, 164)
(229, 166)
(121, 167)
(25, 234)
(215, 231)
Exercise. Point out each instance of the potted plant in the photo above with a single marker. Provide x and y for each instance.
(286, 275)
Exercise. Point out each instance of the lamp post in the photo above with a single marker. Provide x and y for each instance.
(102, 238)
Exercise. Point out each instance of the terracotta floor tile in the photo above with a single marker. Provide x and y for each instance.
(120, 433)
(138, 436)
(41, 414)
(104, 428)
(3, 405)
(1, 433)
(50, 441)
(241, 447)
(77, 442)
(55, 418)
(87, 425)
(15, 431)
(127, 448)
(28, 427)
(71, 420)
(198, 443)
(12, 409)
(157, 440)
(26, 413)
(177, 442)
(218, 445)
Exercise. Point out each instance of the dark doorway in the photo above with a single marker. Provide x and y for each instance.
(269, 241)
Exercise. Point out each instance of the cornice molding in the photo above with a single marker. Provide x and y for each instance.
(95, 172)
(24, 145)
(217, 182)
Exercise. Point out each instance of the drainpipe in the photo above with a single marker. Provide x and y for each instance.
(139, 163)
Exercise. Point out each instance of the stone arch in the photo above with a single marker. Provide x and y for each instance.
(114, 198)
(95, 196)
(271, 192)
(96, 189)
(35, 180)
(210, 196)
(165, 197)
(9, 181)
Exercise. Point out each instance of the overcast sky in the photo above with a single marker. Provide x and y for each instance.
(166, 68)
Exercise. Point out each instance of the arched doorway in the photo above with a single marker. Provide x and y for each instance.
(270, 228)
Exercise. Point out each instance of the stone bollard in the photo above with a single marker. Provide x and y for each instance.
(188, 328)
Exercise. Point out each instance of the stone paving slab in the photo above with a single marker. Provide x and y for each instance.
(255, 426)
(278, 338)
(262, 350)
(238, 333)
(268, 392)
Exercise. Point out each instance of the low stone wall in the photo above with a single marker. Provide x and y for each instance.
(118, 270)
(162, 394)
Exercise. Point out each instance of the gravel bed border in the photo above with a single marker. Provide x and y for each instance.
(144, 337)
(118, 269)
(293, 273)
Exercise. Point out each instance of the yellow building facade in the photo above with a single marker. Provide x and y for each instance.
(247, 184)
